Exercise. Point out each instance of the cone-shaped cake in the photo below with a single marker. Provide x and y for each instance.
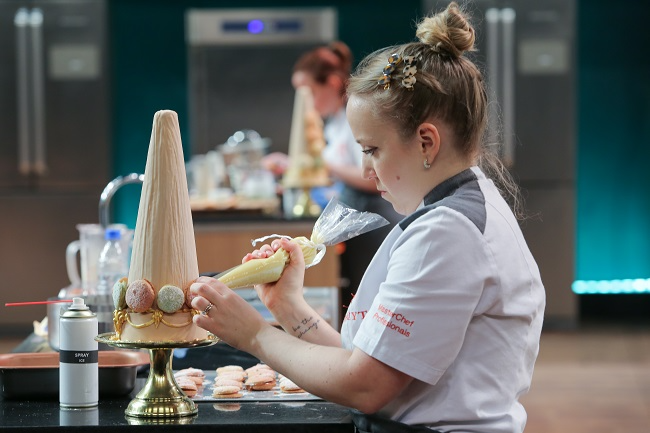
(306, 143)
(153, 304)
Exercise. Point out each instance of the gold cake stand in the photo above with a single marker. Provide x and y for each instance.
(161, 397)
(305, 206)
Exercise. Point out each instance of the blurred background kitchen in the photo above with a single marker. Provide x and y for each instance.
(80, 81)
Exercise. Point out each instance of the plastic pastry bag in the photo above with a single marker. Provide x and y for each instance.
(337, 223)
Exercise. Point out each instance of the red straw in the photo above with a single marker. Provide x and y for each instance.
(18, 304)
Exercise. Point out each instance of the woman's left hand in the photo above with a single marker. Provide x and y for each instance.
(225, 314)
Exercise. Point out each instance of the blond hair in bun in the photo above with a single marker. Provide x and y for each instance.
(446, 87)
(447, 32)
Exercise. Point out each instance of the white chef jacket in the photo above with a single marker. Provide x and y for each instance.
(454, 299)
(342, 148)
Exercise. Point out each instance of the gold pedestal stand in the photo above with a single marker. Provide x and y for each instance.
(161, 397)
(305, 206)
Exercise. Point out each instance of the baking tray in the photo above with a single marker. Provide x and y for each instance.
(204, 394)
(27, 376)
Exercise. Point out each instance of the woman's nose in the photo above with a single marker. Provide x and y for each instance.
(367, 172)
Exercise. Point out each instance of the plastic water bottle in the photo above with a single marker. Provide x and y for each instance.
(111, 268)
(112, 262)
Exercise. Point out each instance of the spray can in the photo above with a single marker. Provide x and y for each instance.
(78, 357)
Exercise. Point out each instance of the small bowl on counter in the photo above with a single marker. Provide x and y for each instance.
(35, 376)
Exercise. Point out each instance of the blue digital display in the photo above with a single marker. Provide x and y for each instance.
(255, 26)
(234, 26)
(288, 26)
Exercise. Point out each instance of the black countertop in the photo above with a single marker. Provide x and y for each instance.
(247, 416)
(267, 417)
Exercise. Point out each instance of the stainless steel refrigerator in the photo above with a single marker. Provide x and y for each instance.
(257, 93)
(54, 142)
(527, 52)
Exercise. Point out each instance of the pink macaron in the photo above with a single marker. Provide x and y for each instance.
(140, 296)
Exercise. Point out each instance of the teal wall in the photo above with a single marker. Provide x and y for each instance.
(613, 187)
(613, 83)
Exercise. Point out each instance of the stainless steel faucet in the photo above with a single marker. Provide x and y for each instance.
(110, 190)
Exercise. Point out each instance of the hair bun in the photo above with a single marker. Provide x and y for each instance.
(448, 32)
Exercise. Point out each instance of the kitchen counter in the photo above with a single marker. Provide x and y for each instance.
(264, 417)
(247, 416)
(217, 240)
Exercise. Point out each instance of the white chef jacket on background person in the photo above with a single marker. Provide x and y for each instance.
(454, 299)
(342, 148)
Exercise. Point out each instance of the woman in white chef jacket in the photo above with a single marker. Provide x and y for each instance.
(326, 71)
(444, 330)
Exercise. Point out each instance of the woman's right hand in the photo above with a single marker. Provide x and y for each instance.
(288, 289)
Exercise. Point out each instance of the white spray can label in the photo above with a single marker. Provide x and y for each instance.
(78, 357)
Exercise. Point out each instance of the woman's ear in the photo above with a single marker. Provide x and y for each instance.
(429, 140)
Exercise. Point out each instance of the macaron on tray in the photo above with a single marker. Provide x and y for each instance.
(234, 383)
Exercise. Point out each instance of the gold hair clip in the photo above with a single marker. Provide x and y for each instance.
(409, 71)
(393, 61)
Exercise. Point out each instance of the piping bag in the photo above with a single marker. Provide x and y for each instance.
(337, 223)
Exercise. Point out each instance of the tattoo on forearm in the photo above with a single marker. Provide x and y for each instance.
(305, 326)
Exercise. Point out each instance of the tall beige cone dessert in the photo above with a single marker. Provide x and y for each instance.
(153, 304)
(306, 143)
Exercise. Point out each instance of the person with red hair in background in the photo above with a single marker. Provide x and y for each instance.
(326, 71)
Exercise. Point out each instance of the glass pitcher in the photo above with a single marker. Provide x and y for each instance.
(83, 273)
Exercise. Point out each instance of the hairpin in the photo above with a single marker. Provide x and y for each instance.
(393, 61)
(409, 71)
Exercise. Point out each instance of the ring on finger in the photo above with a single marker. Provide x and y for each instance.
(207, 309)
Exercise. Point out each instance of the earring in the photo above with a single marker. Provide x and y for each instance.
(426, 164)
